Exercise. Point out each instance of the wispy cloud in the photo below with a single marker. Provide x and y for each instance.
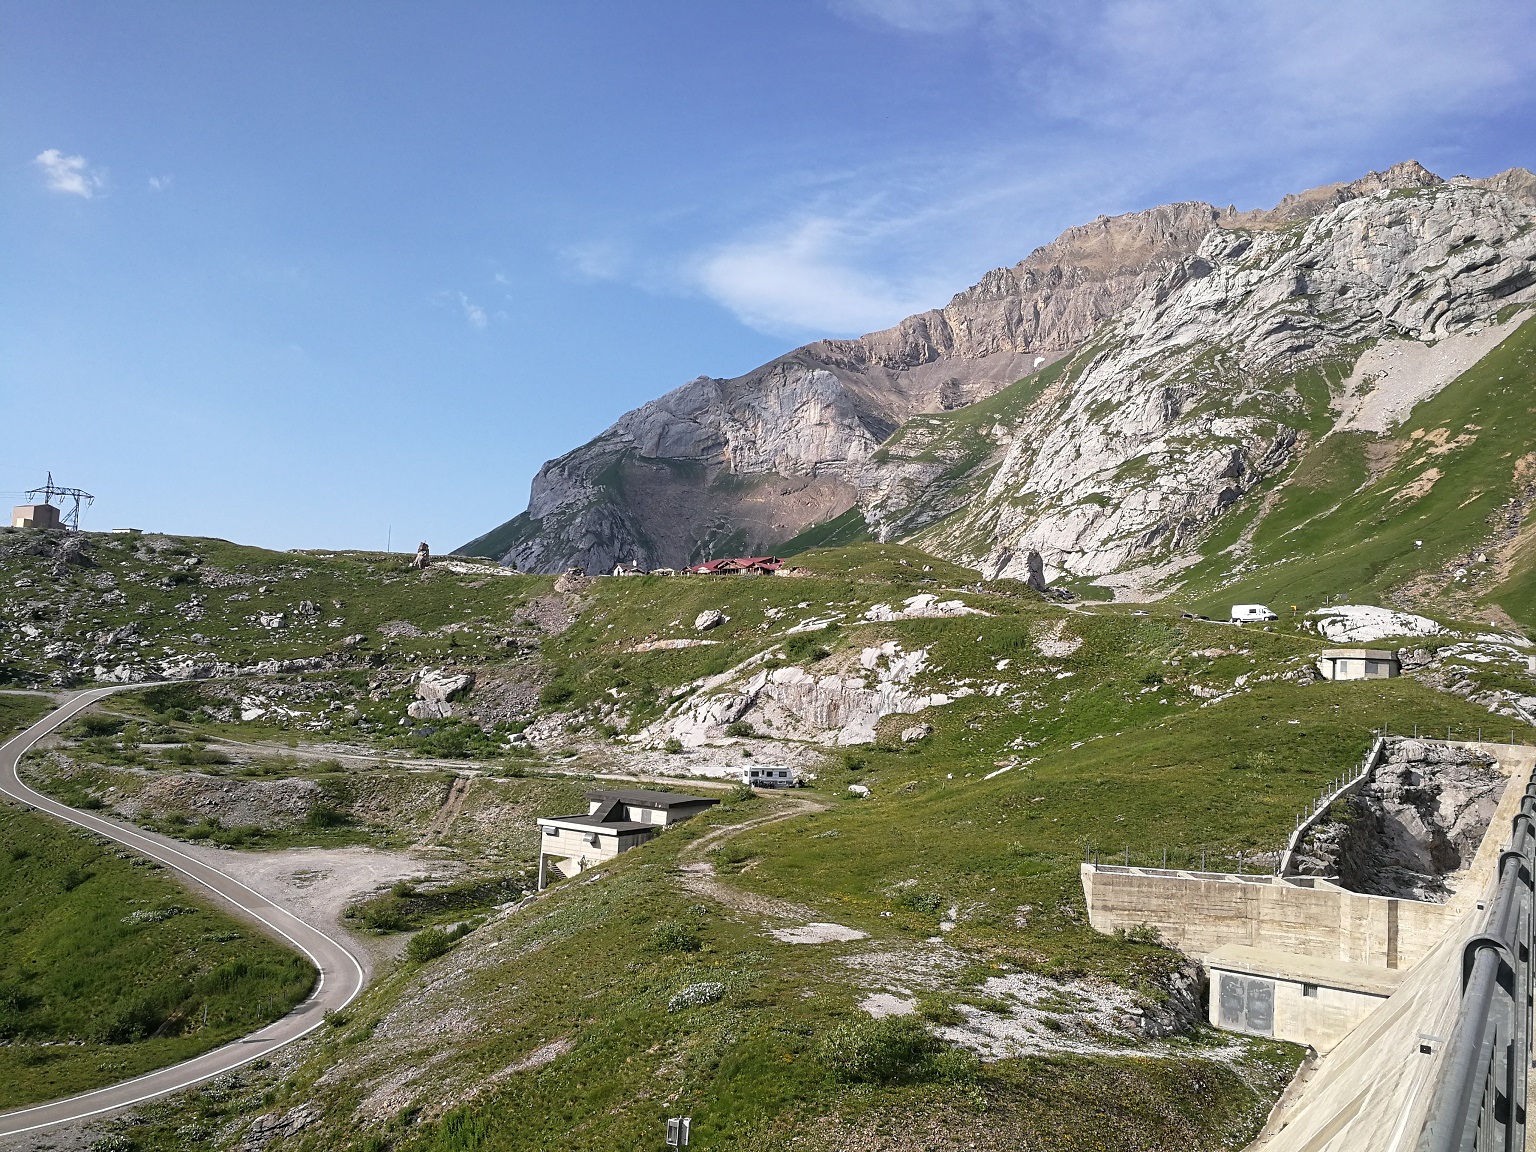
(161, 183)
(597, 260)
(806, 277)
(473, 313)
(1101, 106)
(1115, 103)
(71, 175)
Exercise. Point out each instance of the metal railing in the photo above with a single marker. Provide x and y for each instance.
(1335, 790)
(1479, 1094)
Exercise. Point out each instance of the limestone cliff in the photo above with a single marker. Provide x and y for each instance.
(1204, 385)
(746, 464)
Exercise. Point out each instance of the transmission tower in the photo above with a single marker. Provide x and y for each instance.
(49, 490)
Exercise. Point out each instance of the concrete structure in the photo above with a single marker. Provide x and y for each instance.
(1199, 912)
(1294, 957)
(1371, 1093)
(1358, 664)
(35, 516)
(1304, 999)
(615, 821)
(770, 776)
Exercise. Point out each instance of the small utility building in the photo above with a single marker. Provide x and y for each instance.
(616, 820)
(1358, 664)
(35, 516)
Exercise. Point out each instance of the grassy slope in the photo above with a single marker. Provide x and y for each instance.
(17, 712)
(88, 997)
(353, 592)
(584, 970)
(1126, 754)
(1334, 528)
(592, 657)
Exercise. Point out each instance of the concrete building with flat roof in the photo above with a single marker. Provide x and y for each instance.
(35, 516)
(1358, 664)
(616, 820)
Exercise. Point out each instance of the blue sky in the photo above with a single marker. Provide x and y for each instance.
(308, 274)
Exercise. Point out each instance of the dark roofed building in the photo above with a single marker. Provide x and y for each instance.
(616, 820)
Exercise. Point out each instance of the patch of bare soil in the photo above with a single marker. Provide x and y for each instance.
(317, 884)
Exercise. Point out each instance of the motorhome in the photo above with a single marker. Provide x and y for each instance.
(1251, 613)
(770, 776)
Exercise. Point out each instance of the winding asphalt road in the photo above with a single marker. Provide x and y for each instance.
(342, 974)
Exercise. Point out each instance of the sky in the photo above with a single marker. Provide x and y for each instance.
(341, 274)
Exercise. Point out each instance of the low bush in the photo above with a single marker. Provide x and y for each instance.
(195, 755)
(676, 936)
(555, 693)
(740, 728)
(884, 1051)
(430, 943)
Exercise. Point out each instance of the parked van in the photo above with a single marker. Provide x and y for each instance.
(769, 776)
(1251, 613)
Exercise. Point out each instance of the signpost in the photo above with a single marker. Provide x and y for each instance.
(677, 1131)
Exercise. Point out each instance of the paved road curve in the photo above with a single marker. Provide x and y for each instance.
(341, 973)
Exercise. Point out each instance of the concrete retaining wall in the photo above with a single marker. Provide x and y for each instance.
(1199, 912)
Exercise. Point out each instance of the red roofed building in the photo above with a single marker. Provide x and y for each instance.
(737, 566)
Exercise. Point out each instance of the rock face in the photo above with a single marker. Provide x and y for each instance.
(1414, 825)
(435, 691)
(839, 708)
(1183, 327)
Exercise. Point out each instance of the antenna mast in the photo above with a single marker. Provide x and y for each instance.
(49, 490)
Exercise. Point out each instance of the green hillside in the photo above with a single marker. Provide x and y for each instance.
(1457, 475)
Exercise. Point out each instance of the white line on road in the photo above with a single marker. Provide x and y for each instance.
(324, 951)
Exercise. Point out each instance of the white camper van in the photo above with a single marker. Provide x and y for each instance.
(770, 776)
(1251, 613)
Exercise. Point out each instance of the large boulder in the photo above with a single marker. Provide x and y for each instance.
(440, 686)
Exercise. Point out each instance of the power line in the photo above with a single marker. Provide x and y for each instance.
(49, 490)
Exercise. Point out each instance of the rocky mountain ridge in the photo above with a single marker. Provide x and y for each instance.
(748, 463)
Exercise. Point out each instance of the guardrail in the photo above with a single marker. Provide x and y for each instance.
(1479, 1092)
(1337, 789)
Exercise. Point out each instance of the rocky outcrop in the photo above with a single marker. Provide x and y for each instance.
(436, 689)
(1206, 308)
(1414, 825)
(841, 708)
(1192, 396)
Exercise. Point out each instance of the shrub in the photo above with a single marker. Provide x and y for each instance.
(676, 936)
(740, 794)
(194, 755)
(555, 693)
(730, 857)
(740, 728)
(696, 996)
(98, 726)
(926, 902)
(428, 944)
(324, 815)
(673, 746)
(805, 646)
(1140, 934)
(881, 1051)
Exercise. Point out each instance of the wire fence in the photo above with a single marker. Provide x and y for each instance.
(1226, 858)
